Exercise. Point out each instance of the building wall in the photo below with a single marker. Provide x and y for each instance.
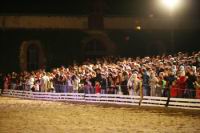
(97, 22)
(61, 47)
(43, 22)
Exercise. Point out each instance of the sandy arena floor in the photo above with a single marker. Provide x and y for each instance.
(28, 116)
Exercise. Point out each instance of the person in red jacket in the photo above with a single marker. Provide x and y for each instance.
(181, 85)
(97, 87)
(174, 90)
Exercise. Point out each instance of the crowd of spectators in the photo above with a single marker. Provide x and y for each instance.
(176, 75)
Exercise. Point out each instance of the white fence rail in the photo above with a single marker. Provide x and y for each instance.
(106, 98)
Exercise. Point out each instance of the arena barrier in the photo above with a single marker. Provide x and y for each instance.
(106, 98)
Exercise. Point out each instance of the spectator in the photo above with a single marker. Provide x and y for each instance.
(162, 85)
(13, 81)
(30, 82)
(155, 74)
(145, 81)
(153, 82)
(134, 85)
(69, 84)
(6, 82)
(75, 83)
(170, 78)
(44, 82)
(181, 84)
(87, 86)
(104, 85)
(197, 86)
(97, 87)
(1, 82)
(36, 86)
(124, 83)
(191, 79)
(56, 83)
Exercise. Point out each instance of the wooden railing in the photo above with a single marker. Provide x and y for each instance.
(106, 98)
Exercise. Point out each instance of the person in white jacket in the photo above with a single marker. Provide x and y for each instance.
(75, 83)
(30, 82)
(134, 85)
(44, 83)
(153, 82)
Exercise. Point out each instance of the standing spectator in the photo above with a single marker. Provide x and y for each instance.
(191, 79)
(69, 84)
(159, 88)
(181, 84)
(1, 82)
(62, 83)
(87, 86)
(92, 80)
(50, 83)
(145, 81)
(30, 82)
(97, 87)
(197, 86)
(75, 83)
(162, 85)
(170, 78)
(98, 76)
(56, 83)
(118, 83)
(134, 85)
(173, 90)
(104, 85)
(124, 83)
(110, 85)
(13, 81)
(197, 60)
(153, 83)
(44, 82)
(6, 82)
(37, 86)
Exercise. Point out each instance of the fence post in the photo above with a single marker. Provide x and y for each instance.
(168, 98)
(84, 97)
(141, 94)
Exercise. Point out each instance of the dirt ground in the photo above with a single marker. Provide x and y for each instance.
(29, 116)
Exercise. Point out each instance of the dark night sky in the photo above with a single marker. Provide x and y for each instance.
(187, 40)
(82, 7)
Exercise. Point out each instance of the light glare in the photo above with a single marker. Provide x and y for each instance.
(171, 4)
(138, 27)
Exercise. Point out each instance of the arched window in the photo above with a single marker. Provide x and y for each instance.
(32, 57)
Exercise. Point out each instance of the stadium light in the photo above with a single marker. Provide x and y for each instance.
(138, 27)
(171, 4)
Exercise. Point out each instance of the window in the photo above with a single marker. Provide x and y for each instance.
(32, 57)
